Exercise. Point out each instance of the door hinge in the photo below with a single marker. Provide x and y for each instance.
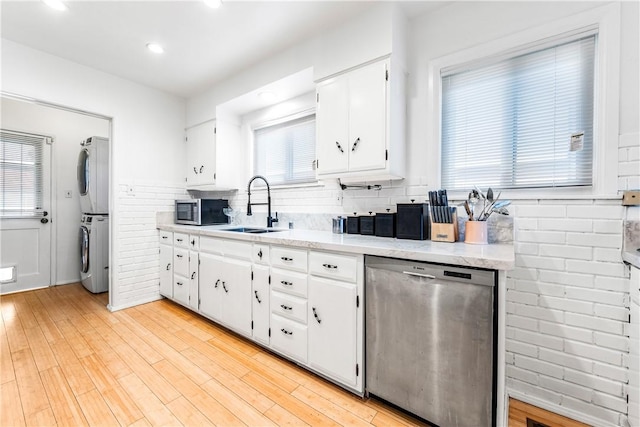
(252, 275)
(269, 279)
(198, 262)
(386, 75)
(317, 97)
(317, 164)
(215, 130)
(186, 139)
(269, 331)
(252, 325)
(357, 370)
(386, 154)
(214, 175)
(357, 300)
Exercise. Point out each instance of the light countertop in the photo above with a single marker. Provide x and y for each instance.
(492, 256)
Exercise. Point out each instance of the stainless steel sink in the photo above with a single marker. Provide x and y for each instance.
(253, 230)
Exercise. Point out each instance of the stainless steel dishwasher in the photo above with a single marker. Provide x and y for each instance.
(431, 339)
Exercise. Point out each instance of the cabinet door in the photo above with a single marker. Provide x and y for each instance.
(201, 155)
(332, 325)
(367, 117)
(332, 126)
(166, 271)
(236, 286)
(193, 280)
(181, 289)
(210, 285)
(260, 303)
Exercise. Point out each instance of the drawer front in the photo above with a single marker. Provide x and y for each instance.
(181, 261)
(211, 245)
(181, 240)
(194, 242)
(340, 267)
(291, 259)
(236, 249)
(289, 337)
(181, 289)
(289, 306)
(261, 254)
(289, 282)
(166, 237)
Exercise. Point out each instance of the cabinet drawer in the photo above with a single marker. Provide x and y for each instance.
(291, 259)
(181, 261)
(289, 282)
(289, 306)
(181, 240)
(236, 249)
(341, 267)
(166, 237)
(194, 242)
(289, 337)
(211, 245)
(181, 289)
(261, 253)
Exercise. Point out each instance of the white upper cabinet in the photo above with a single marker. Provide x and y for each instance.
(360, 124)
(210, 156)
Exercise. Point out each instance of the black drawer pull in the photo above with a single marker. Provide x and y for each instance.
(286, 259)
(179, 283)
(193, 275)
(193, 242)
(179, 240)
(284, 282)
(316, 315)
(179, 256)
(225, 288)
(257, 297)
(330, 266)
(260, 254)
(217, 282)
(286, 307)
(164, 237)
(168, 266)
(284, 331)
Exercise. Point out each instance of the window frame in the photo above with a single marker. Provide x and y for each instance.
(606, 20)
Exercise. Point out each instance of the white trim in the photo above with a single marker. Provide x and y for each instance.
(67, 282)
(24, 290)
(288, 118)
(607, 84)
(113, 308)
(289, 186)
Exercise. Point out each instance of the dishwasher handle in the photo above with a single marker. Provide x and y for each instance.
(412, 273)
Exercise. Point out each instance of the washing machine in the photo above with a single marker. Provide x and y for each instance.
(93, 175)
(94, 253)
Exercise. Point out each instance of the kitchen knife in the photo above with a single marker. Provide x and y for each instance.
(445, 203)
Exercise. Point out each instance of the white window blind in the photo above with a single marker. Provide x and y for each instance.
(284, 153)
(509, 124)
(20, 174)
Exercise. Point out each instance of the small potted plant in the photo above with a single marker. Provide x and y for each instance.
(479, 207)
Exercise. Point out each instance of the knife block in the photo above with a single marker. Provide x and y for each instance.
(444, 232)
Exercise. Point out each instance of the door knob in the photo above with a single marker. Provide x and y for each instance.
(44, 220)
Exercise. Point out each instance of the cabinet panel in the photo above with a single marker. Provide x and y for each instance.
(181, 261)
(289, 306)
(289, 337)
(260, 304)
(288, 258)
(201, 155)
(181, 240)
(237, 249)
(341, 267)
(289, 282)
(181, 289)
(236, 285)
(210, 288)
(333, 126)
(261, 254)
(194, 242)
(166, 270)
(332, 325)
(211, 245)
(193, 279)
(166, 237)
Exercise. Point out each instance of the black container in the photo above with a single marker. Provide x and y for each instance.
(368, 225)
(353, 224)
(386, 224)
(412, 221)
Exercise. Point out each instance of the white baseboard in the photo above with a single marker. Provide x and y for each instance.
(113, 308)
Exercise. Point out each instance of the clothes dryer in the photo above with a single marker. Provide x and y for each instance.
(93, 175)
(94, 253)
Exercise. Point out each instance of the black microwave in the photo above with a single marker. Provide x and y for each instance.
(201, 211)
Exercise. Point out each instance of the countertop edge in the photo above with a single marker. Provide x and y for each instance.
(632, 258)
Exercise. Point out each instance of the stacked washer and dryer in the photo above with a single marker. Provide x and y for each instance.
(93, 183)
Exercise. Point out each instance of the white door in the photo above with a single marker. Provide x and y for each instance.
(236, 309)
(193, 279)
(332, 124)
(261, 303)
(367, 117)
(201, 155)
(210, 285)
(166, 270)
(25, 202)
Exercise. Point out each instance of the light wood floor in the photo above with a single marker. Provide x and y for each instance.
(66, 360)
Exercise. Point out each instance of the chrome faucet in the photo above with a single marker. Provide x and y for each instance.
(270, 220)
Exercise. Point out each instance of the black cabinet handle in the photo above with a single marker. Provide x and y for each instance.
(179, 240)
(330, 266)
(257, 297)
(284, 282)
(193, 275)
(286, 259)
(164, 237)
(168, 266)
(225, 288)
(217, 282)
(179, 283)
(260, 254)
(195, 170)
(179, 256)
(201, 167)
(193, 242)
(286, 307)
(284, 331)
(355, 144)
(316, 315)
(339, 147)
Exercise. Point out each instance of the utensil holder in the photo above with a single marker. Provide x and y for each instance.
(476, 233)
(445, 232)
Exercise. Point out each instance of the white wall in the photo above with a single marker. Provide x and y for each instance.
(567, 298)
(147, 150)
(68, 130)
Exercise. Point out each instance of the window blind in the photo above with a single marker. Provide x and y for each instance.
(510, 124)
(21, 174)
(284, 153)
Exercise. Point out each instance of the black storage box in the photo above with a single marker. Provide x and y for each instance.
(368, 225)
(353, 224)
(386, 224)
(412, 221)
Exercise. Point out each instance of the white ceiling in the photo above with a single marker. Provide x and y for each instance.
(203, 46)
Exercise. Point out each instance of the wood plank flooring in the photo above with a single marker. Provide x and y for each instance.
(66, 360)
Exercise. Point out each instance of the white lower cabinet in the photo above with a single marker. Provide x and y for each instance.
(289, 337)
(332, 326)
(260, 304)
(193, 279)
(236, 298)
(181, 275)
(211, 267)
(166, 270)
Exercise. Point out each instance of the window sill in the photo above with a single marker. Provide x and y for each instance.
(540, 194)
(313, 184)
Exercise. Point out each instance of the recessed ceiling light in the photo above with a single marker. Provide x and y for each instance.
(155, 48)
(268, 96)
(55, 4)
(213, 4)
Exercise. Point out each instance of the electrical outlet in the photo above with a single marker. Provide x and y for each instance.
(631, 198)
(67, 194)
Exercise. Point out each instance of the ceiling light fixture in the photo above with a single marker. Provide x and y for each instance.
(268, 96)
(155, 48)
(55, 4)
(213, 4)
